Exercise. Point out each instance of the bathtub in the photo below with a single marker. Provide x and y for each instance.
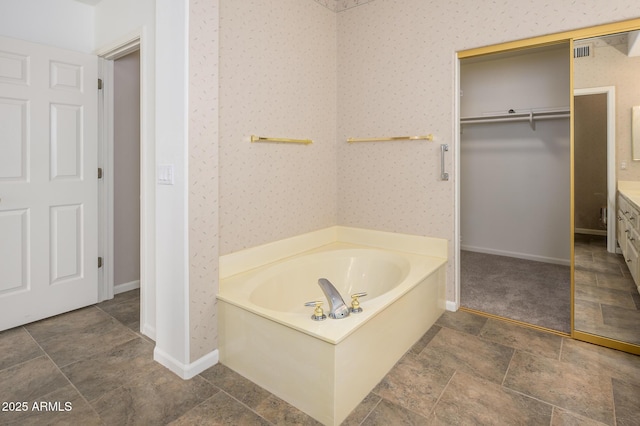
(325, 368)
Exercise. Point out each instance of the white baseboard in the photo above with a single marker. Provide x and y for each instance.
(186, 371)
(591, 231)
(452, 306)
(526, 256)
(121, 288)
(148, 331)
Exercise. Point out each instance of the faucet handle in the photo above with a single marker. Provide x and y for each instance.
(355, 303)
(318, 313)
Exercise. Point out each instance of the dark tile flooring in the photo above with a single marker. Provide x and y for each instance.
(466, 370)
(607, 302)
(531, 292)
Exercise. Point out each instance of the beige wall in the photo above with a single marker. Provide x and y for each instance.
(396, 73)
(203, 176)
(277, 79)
(295, 68)
(126, 174)
(590, 160)
(611, 67)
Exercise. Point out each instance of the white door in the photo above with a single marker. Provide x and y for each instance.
(48, 181)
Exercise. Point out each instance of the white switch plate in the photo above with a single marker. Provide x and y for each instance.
(165, 174)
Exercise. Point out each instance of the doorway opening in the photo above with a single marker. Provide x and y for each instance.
(514, 186)
(595, 180)
(123, 192)
(126, 173)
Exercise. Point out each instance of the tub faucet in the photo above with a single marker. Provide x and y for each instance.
(337, 308)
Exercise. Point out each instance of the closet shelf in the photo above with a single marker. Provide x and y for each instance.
(531, 117)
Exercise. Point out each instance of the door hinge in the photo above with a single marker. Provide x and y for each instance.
(99, 172)
(99, 84)
(99, 262)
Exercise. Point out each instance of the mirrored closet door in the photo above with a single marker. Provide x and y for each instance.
(510, 212)
(607, 177)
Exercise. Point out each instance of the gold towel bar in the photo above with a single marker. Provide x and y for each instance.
(255, 138)
(393, 138)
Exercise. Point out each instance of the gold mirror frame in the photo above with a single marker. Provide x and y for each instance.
(548, 40)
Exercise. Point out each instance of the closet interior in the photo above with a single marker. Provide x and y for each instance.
(515, 185)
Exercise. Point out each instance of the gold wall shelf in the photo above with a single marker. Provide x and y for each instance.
(392, 138)
(255, 138)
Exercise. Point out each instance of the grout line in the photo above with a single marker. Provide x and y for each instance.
(66, 377)
(539, 400)
(372, 409)
(30, 359)
(201, 403)
(444, 389)
(242, 403)
(405, 408)
(24, 362)
(59, 368)
(556, 407)
(251, 409)
(506, 372)
(613, 399)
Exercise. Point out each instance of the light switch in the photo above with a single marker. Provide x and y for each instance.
(165, 174)
(623, 165)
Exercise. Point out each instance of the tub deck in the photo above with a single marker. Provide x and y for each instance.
(323, 374)
(237, 290)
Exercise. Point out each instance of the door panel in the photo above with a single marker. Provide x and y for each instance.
(14, 250)
(66, 239)
(14, 142)
(48, 181)
(66, 141)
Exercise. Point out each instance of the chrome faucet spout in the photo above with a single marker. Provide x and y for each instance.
(337, 308)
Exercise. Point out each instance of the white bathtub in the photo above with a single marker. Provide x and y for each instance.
(325, 368)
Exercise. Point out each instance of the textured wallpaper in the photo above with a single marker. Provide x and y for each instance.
(340, 5)
(610, 66)
(277, 79)
(313, 69)
(390, 83)
(396, 76)
(203, 176)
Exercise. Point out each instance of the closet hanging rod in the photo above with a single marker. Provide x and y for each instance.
(392, 138)
(255, 138)
(522, 116)
(511, 116)
(475, 120)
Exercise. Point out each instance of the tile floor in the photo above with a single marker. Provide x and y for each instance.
(607, 302)
(466, 370)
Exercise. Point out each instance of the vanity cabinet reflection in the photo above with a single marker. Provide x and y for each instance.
(628, 234)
